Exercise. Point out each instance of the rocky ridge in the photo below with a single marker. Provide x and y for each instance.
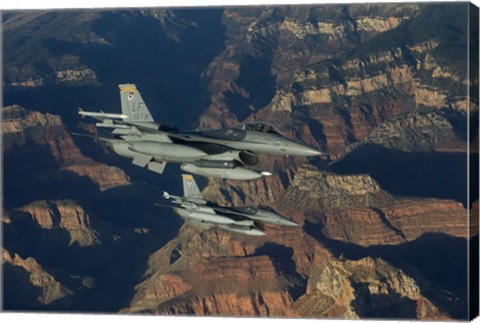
(317, 283)
(326, 75)
(341, 100)
(278, 279)
(347, 206)
(335, 292)
(53, 218)
(419, 132)
(50, 290)
(64, 215)
(344, 123)
(280, 38)
(85, 253)
(23, 70)
(25, 130)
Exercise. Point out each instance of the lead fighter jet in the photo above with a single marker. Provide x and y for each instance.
(247, 220)
(220, 153)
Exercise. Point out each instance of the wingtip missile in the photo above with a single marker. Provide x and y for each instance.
(80, 110)
(101, 115)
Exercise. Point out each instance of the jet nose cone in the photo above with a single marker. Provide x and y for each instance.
(304, 150)
(310, 152)
(289, 223)
(257, 233)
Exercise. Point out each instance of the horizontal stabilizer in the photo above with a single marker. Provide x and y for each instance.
(167, 206)
(123, 131)
(141, 161)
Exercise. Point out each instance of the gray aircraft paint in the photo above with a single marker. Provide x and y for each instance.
(244, 220)
(243, 230)
(202, 216)
(222, 153)
(133, 105)
(166, 151)
(238, 173)
(191, 190)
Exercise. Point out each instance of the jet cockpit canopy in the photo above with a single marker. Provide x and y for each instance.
(260, 126)
(254, 209)
(246, 209)
(266, 208)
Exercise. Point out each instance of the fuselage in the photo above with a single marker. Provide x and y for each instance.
(265, 215)
(220, 153)
(204, 216)
(256, 142)
(213, 153)
(240, 216)
(189, 147)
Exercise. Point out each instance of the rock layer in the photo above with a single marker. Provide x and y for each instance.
(27, 132)
(25, 273)
(356, 81)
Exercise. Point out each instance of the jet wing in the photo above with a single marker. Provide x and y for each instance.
(237, 216)
(230, 212)
(141, 160)
(201, 224)
(157, 167)
(100, 138)
(190, 206)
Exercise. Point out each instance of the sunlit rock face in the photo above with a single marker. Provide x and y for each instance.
(35, 144)
(383, 218)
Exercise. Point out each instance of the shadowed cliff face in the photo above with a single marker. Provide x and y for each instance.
(162, 51)
(285, 39)
(41, 160)
(423, 174)
(437, 258)
(353, 218)
(383, 225)
(67, 221)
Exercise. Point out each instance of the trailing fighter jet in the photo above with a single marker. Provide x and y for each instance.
(247, 220)
(220, 153)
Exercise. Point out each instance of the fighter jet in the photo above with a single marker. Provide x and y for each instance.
(247, 220)
(220, 153)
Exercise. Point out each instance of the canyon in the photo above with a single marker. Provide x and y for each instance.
(384, 218)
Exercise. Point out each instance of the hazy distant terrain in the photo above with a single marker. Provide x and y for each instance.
(383, 88)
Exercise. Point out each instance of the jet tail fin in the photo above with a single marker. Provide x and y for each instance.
(133, 105)
(190, 189)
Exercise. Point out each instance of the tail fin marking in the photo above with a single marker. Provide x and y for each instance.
(190, 188)
(133, 105)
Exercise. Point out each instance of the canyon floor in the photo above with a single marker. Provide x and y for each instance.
(387, 219)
